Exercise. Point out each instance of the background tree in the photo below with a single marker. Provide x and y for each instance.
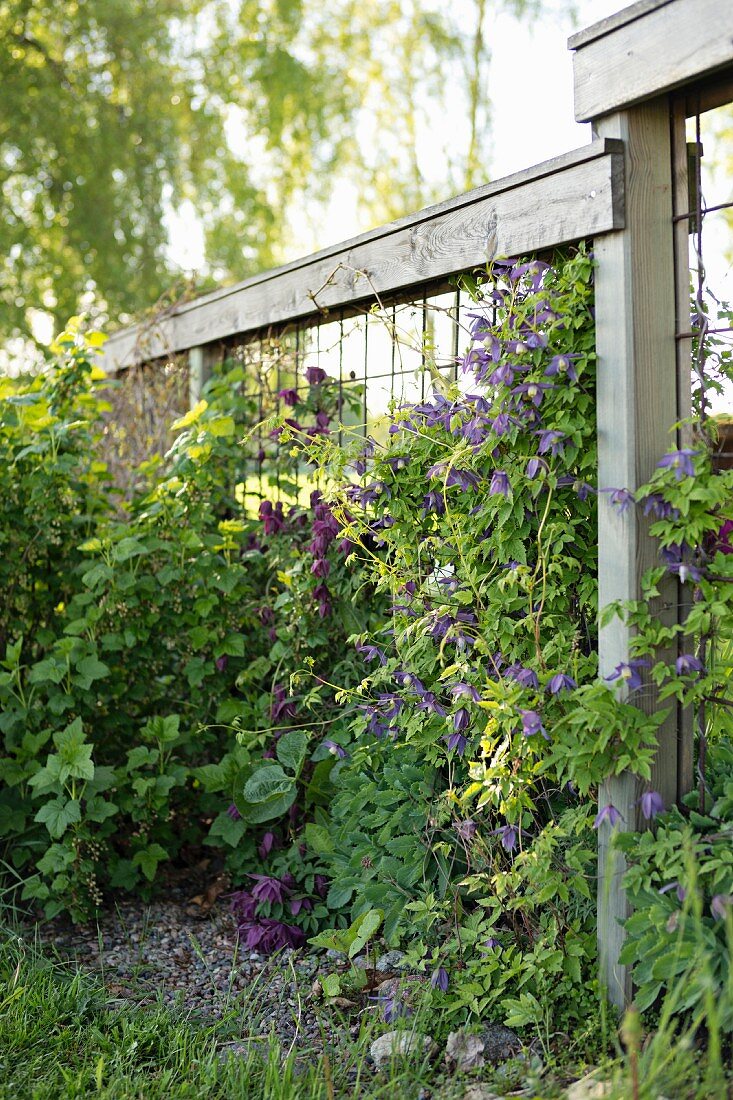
(247, 113)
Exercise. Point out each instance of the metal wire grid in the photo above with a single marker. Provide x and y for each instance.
(379, 357)
(703, 227)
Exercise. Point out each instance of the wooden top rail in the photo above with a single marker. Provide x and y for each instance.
(568, 198)
(648, 50)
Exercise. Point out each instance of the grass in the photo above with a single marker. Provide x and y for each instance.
(63, 1035)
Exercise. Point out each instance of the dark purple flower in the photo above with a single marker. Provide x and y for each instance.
(532, 724)
(534, 466)
(610, 814)
(679, 461)
(562, 364)
(272, 518)
(315, 375)
(656, 505)
(456, 741)
(560, 682)
(508, 835)
(434, 501)
(281, 706)
(687, 663)
(439, 979)
(466, 829)
(268, 888)
(620, 498)
(410, 682)
(221, 663)
(492, 943)
(720, 905)
(430, 704)
(500, 484)
(321, 567)
(550, 440)
(535, 391)
(651, 803)
(629, 672)
(723, 537)
(461, 719)
(234, 813)
(680, 890)
(290, 397)
(266, 845)
(527, 677)
(465, 690)
(300, 903)
(268, 936)
(393, 1006)
(323, 598)
(333, 748)
(371, 652)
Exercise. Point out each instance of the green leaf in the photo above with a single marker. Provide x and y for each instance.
(58, 815)
(363, 929)
(291, 750)
(92, 669)
(148, 859)
(331, 985)
(267, 783)
(229, 830)
(318, 839)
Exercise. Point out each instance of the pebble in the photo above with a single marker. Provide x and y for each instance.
(391, 960)
(399, 1044)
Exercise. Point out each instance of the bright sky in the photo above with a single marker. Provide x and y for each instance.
(531, 92)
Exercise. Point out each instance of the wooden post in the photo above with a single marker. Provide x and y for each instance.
(637, 406)
(201, 363)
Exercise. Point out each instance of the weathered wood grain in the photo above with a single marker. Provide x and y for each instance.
(577, 195)
(636, 408)
(656, 49)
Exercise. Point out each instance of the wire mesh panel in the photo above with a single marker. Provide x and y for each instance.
(702, 150)
(376, 359)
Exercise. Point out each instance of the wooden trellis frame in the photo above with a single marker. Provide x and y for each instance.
(618, 191)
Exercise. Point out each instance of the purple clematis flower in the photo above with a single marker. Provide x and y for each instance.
(221, 663)
(720, 905)
(534, 466)
(268, 888)
(290, 397)
(657, 506)
(622, 499)
(630, 673)
(266, 845)
(550, 440)
(410, 682)
(687, 663)
(333, 748)
(610, 814)
(680, 890)
(371, 653)
(560, 682)
(461, 719)
(679, 461)
(430, 704)
(456, 741)
(532, 724)
(434, 501)
(315, 375)
(651, 803)
(500, 484)
(234, 813)
(439, 979)
(463, 689)
(527, 677)
(466, 829)
(508, 835)
(562, 364)
(535, 391)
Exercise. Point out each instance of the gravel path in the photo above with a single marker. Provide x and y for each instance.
(188, 956)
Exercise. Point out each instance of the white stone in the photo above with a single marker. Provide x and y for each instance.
(399, 1044)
